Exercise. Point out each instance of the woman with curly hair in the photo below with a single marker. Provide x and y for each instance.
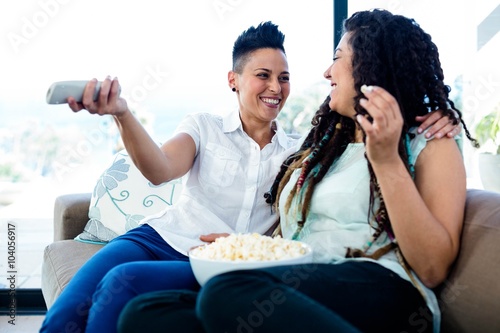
(380, 203)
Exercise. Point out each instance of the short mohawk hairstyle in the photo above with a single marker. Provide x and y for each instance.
(265, 35)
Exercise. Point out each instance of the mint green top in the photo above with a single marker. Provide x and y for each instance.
(338, 214)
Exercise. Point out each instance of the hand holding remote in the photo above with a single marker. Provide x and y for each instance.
(59, 92)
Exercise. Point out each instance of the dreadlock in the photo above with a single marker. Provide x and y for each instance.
(390, 51)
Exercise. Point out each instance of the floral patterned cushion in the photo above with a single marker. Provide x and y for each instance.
(121, 198)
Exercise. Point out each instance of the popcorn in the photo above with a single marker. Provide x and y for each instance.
(250, 247)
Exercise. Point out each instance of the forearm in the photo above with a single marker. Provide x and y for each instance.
(145, 153)
(423, 240)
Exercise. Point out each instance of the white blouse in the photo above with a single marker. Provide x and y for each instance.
(224, 190)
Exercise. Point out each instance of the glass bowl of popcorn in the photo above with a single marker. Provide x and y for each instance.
(245, 251)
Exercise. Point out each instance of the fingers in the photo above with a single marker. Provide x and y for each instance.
(440, 128)
(449, 130)
(426, 121)
(109, 91)
(74, 105)
(207, 238)
(437, 125)
(88, 96)
(106, 101)
(456, 131)
(379, 102)
(114, 91)
(212, 237)
(365, 124)
(383, 134)
(103, 97)
(432, 122)
(381, 106)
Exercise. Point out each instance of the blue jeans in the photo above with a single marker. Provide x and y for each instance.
(137, 262)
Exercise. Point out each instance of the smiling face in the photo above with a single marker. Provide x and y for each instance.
(341, 80)
(262, 86)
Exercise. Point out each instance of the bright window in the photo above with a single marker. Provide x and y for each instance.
(468, 39)
(172, 58)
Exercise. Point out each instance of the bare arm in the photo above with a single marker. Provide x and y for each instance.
(426, 215)
(157, 164)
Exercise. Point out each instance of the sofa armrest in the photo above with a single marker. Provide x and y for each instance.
(70, 215)
(470, 296)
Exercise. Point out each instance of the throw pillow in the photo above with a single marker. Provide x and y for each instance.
(121, 198)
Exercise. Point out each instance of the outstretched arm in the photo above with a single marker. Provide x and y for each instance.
(158, 165)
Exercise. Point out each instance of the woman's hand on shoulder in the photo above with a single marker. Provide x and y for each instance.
(438, 125)
(108, 101)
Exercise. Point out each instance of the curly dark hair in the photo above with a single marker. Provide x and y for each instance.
(390, 51)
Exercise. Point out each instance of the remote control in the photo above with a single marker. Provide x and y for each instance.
(59, 92)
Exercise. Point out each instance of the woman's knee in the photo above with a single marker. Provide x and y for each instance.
(224, 290)
(117, 280)
(213, 294)
(131, 317)
(171, 310)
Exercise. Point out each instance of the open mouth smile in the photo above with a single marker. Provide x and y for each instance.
(272, 101)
